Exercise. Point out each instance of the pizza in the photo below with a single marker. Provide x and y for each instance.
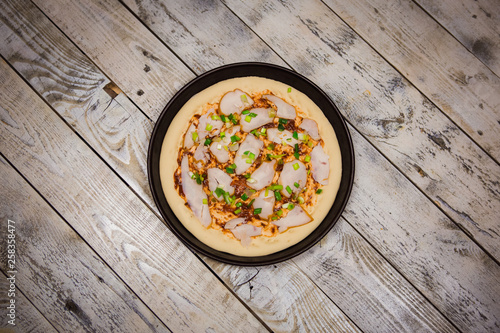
(250, 166)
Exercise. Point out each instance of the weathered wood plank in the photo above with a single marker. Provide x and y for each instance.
(175, 285)
(77, 90)
(114, 39)
(476, 24)
(27, 318)
(394, 116)
(435, 62)
(204, 34)
(27, 35)
(60, 274)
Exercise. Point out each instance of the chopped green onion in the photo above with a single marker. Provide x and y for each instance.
(219, 191)
(207, 141)
(295, 135)
(205, 201)
(289, 139)
(229, 170)
(251, 202)
(289, 89)
(307, 158)
(238, 204)
(275, 156)
(301, 200)
(310, 144)
(290, 206)
(209, 127)
(227, 198)
(263, 131)
(271, 146)
(251, 180)
(251, 155)
(252, 115)
(246, 175)
(215, 117)
(319, 191)
(246, 152)
(249, 161)
(296, 155)
(272, 113)
(225, 148)
(235, 138)
(233, 119)
(248, 118)
(281, 128)
(283, 121)
(277, 195)
(296, 166)
(274, 218)
(257, 211)
(289, 190)
(199, 178)
(276, 187)
(222, 135)
(266, 193)
(245, 112)
(244, 98)
(194, 135)
(233, 166)
(237, 211)
(244, 197)
(297, 185)
(223, 118)
(279, 212)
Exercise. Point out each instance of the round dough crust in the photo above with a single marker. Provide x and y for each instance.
(173, 140)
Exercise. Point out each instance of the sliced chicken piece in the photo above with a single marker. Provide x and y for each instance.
(262, 176)
(218, 178)
(284, 110)
(245, 231)
(297, 216)
(311, 127)
(250, 122)
(320, 165)
(252, 145)
(194, 195)
(201, 154)
(293, 173)
(265, 203)
(231, 224)
(188, 138)
(208, 126)
(234, 102)
(282, 137)
(220, 153)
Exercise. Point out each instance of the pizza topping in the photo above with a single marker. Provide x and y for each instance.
(207, 125)
(295, 217)
(195, 195)
(234, 102)
(188, 138)
(251, 145)
(320, 165)
(255, 118)
(231, 224)
(311, 127)
(282, 137)
(245, 231)
(265, 202)
(218, 179)
(293, 178)
(262, 176)
(284, 110)
(201, 154)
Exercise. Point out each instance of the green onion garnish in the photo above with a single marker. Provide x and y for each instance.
(296, 166)
(219, 191)
(244, 98)
(246, 175)
(209, 127)
(253, 115)
(215, 117)
(281, 128)
(283, 121)
(289, 190)
(289, 89)
(245, 112)
(290, 206)
(276, 187)
(301, 200)
(251, 202)
(223, 118)
(279, 212)
(296, 155)
(229, 170)
(227, 198)
(319, 191)
(307, 158)
(277, 195)
(238, 204)
(248, 118)
(246, 152)
(237, 211)
(297, 185)
(295, 135)
(263, 131)
(271, 146)
(194, 135)
(257, 211)
(207, 141)
(244, 197)
(235, 138)
(205, 201)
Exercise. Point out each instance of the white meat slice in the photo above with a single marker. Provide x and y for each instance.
(297, 216)
(206, 120)
(220, 153)
(188, 138)
(262, 176)
(234, 102)
(250, 144)
(311, 127)
(266, 203)
(289, 176)
(218, 178)
(194, 195)
(200, 154)
(261, 118)
(231, 224)
(281, 137)
(284, 110)
(245, 231)
(320, 165)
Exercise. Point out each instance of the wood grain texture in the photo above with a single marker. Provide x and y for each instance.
(435, 62)
(60, 274)
(76, 89)
(383, 106)
(424, 245)
(114, 222)
(28, 319)
(115, 40)
(26, 31)
(204, 34)
(476, 24)
(364, 284)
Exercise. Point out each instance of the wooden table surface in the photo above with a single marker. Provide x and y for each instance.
(417, 248)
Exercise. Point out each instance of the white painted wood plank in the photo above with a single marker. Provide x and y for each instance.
(60, 274)
(204, 34)
(394, 116)
(475, 23)
(175, 285)
(114, 39)
(433, 60)
(27, 319)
